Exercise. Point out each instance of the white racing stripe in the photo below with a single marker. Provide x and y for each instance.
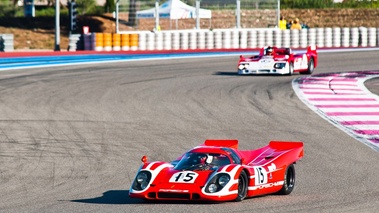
(343, 102)
(311, 92)
(365, 127)
(344, 97)
(348, 109)
(327, 86)
(357, 118)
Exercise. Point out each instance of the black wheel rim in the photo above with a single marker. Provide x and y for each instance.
(290, 178)
(241, 186)
(311, 66)
(291, 69)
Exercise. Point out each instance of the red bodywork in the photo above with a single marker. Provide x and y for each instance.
(265, 168)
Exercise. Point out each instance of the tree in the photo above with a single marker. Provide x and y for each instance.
(109, 6)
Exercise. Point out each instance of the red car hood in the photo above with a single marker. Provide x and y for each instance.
(171, 177)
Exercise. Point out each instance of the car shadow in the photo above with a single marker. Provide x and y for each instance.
(226, 73)
(111, 197)
(254, 75)
(122, 197)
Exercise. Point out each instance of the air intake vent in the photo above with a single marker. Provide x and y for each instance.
(179, 196)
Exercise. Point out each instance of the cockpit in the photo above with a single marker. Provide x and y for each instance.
(202, 161)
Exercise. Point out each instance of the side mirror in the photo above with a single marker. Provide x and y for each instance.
(144, 159)
(242, 161)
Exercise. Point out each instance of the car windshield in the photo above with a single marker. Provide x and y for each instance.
(202, 161)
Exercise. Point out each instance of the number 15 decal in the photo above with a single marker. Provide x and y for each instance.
(260, 175)
(184, 177)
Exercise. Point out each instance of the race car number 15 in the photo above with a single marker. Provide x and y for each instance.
(260, 175)
(184, 177)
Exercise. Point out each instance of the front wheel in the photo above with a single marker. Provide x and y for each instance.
(311, 66)
(289, 181)
(290, 68)
(242, 186)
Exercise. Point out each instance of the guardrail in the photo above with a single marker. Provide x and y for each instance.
(231, 39)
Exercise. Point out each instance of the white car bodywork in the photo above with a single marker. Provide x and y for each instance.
(265, 65)
(282, 62)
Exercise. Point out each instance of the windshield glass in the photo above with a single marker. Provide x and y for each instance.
(202, 161)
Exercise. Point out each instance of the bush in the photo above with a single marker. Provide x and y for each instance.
(48, 11)
(86, 6)
(358, 4)
(7, 9)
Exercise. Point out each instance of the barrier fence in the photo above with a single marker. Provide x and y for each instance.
(217, 39)
(6, 42)
(227, 39)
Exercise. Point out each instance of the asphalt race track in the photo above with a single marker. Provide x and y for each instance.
(71, 137)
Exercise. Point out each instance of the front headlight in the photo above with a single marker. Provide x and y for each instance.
(144, 185)
(242, 66)
(279, 65)
(141, 177)
(212, 188)
(142, 180)
(217, 183)
(223, 180)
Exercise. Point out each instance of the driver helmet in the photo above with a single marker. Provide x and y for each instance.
(202, 159)
(206, 159)
(209, 159)
(269, 51)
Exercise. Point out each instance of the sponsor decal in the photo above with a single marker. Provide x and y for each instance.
(174, 190)
(266, 61)
(272, 167)
(268, 185)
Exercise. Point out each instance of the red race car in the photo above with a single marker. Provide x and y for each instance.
(279, 61)
(218, 171)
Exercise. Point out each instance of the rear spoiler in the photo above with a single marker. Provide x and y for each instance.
(285, 145)
(222, 143)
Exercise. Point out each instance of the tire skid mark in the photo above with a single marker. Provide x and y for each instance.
(343, 100)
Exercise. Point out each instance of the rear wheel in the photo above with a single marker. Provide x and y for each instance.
(242, 186)
(289, 181)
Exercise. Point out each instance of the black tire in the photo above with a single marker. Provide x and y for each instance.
(290, 69)
(289, 181)
(311, 66)
(242, 186)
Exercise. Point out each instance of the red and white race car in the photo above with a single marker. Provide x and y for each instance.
(273, 60)
(218, 171)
